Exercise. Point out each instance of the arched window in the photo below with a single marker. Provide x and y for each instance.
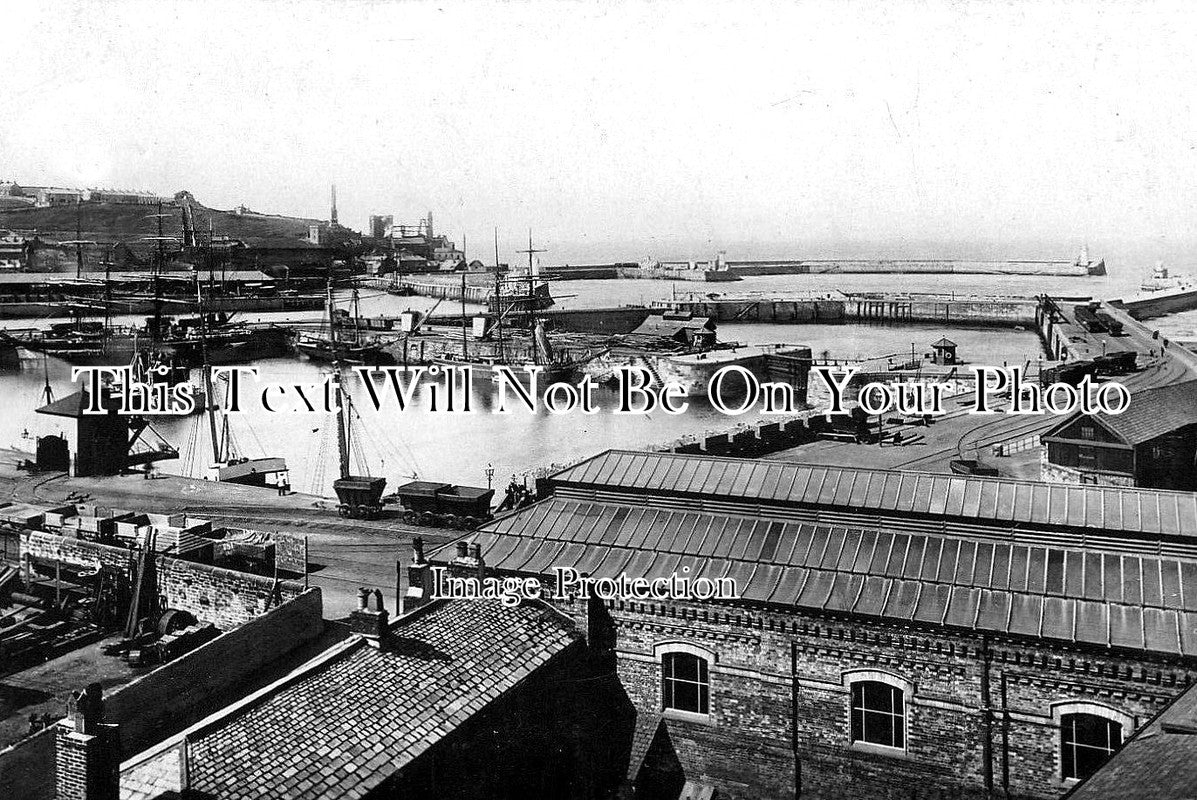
(685, 682)
(878, 714)
(1086, 741)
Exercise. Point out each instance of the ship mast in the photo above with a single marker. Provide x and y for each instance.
(78, 238)
(499, 302)
(217, 456)
(465, 346)
(532, 300)
(338, 395)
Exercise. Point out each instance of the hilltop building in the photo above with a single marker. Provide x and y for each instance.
(895, 634)
(1152, 444)
(419, 248)
(380, 224)
(126, 197)
(44, 196)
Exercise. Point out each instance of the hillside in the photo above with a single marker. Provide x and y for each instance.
(115, 222)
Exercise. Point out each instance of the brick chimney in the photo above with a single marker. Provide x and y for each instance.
(88, 759)
(370, 622)
(419, 587)
(468, 562)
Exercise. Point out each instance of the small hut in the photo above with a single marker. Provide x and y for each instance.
(945, 352)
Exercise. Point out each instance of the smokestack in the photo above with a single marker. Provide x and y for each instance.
(332, 220)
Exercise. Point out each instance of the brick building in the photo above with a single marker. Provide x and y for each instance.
(462, 699)
(1152, 444)
(1158, 763)
(896, 634)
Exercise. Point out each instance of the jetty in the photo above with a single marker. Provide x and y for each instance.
(883, 307)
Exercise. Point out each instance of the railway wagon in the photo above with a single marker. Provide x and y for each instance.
(444, 505)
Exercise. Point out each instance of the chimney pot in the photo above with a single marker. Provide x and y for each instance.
(418, 588)
(370, 623)
(476, 550)
(462, 550)
(363, 598)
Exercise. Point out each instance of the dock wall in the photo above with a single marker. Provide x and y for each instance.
(1149, 307)
(920, 308)
(914, 267)
(667, 274)
(771, 311)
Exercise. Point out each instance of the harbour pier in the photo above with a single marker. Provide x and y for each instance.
(881, 307)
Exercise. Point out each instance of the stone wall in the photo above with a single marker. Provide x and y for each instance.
(152, 707)
(779, 702)
(1056, 473)
(224, 597)
(175, 694)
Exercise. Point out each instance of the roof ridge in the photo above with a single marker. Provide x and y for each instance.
(873, 470)
(337, 651)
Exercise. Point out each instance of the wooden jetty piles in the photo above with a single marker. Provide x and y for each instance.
(832, 307)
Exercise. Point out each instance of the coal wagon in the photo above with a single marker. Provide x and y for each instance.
(444, 505)
(359, 496)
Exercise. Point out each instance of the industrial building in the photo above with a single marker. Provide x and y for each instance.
(1152, 444)
(896, 634)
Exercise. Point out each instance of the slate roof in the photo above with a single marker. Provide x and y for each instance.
(999, 502)
(1158, 763)
(156, 779)
(351, 722)
(1132, 600)
(647, 725)
(1155, 412)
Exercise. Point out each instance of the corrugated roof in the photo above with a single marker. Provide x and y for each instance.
(1135, 601)
(1000, 501)
(346, 727)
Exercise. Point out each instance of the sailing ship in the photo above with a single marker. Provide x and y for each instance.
(346, 342)
(358, 496)
(228, 465)
(556, 366)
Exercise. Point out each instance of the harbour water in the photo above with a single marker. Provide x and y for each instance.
(418, 443)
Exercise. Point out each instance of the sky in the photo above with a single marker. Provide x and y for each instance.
(661, 125)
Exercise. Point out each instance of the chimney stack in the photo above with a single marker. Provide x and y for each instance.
(419, 588)
(88, 751)
(468, 563)
(371, 623)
